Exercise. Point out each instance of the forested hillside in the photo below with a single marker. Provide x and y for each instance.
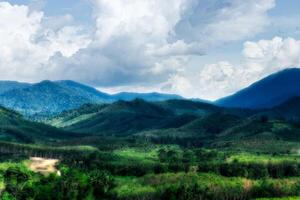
(153, 150)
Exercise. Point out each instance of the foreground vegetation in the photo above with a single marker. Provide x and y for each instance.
(150, 151)
(155, 172)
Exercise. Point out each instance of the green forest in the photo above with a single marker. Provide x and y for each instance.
(149, 99)
(167, 150)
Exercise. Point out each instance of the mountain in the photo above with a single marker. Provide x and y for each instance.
(289, 110)
(51, 97)
(189, 107)
(86, 91)
(123, 118)
(206, 127)
(129, 117)
(11, 85)
(14, 128)
(42, 98)
(266, 93)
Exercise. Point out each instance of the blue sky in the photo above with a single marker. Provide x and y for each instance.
(196, 48)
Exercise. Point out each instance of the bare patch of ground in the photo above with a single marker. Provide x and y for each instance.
(43, 165)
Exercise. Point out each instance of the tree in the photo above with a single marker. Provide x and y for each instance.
(18, 183)
(101, 182)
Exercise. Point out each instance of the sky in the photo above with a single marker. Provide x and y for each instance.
(195, 48)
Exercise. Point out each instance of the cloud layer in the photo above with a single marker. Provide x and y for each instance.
(143, 44)
(26, 45)
(260, 59)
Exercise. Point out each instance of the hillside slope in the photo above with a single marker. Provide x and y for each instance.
(266, 93)
(11, 85)
(125, 117)
(42, 98)
(14, 128)
(289, 110)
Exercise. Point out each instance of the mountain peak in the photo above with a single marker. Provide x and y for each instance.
(290, 69)
(45, 83)
(268, 92)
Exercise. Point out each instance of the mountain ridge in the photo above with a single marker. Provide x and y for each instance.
(51, 97)
(267, 92)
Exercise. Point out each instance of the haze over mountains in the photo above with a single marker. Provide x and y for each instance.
(82, 111)
(50, 97)
(266, 93)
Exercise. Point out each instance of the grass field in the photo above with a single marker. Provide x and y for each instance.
(130, 187)
(263, 158)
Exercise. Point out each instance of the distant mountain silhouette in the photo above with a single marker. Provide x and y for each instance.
(51, 97)
(10, 85)
(266, 93)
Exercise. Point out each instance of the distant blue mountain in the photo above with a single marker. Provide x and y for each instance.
(266, 93)
(88, 92)
(153, 96)
(10, 85)
(51, 97)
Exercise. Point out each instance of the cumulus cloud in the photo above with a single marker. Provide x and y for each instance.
(210, 82)
(149, 42)
(134, 43)
(211, 22)
(277, 52)
(26, 46)
(260, 59)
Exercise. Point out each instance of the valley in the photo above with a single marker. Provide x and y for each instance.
(145, 148)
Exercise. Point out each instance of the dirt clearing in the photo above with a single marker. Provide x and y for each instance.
(43, 165)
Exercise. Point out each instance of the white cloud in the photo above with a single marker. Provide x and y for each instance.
(211, 22)
(277, 52)
(260, 59)
(26, 45)
(146, 43)
(178, 83)
(149, 21)
(210, 82)
(216, 78)
(66, 40)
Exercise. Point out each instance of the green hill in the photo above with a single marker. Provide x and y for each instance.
(289, 110)
(14, 128)
(125, 118)
(181, 121)
(204, 128)
(189, 107)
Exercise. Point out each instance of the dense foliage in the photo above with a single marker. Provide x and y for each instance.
(175, 149)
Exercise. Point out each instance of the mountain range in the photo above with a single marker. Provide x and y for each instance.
(48, 98)
(76, 113)
(51, 97)
(181, 121)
